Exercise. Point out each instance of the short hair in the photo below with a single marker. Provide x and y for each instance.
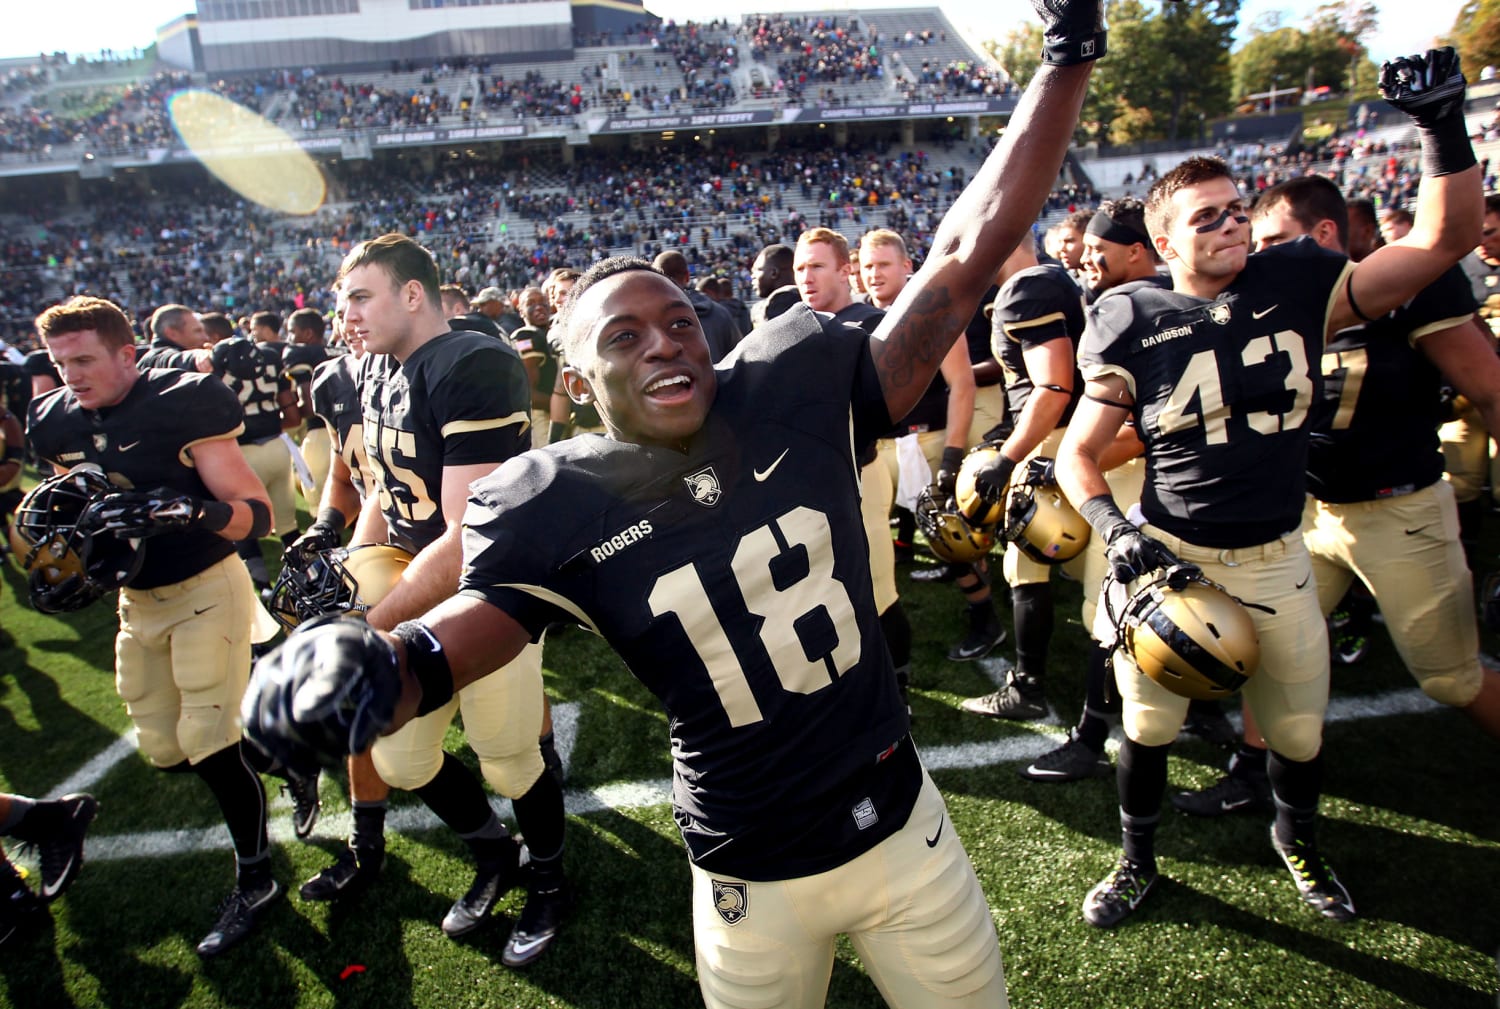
(1492, 203)
(562, 273)
(885, 236)
(569, 336)
(217, 324)
(1131, 213)
(453, 292)
(778, 252)
(1078, 220)
(307, 318)
(672, 264)
(1362, 208)
(709, 286)
(826, 236)
(168, 317)
(1399, 215)
(81, 313)
(1309, 199)
(270, 320)
(726, 287)
(1191, 172)
(402, 259)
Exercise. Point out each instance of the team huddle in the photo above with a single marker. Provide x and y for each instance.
(1218, 442)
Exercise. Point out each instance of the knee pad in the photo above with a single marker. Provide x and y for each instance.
(401, 767)
(206, 730)
(512, 775)
(1456, 689)
(156, 739)
(744, 974)
(1150, 726)
(1295, 736)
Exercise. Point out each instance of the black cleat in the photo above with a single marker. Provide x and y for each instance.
(1316, 883)
(934, 573)
(349, 874)
(237, 916)
(547, 904)
(979, 643)
(58, 841)
(493, 879)
(1119, 894)
(1010, 701)
(306, 806)
(1232, 793)
(1072, 761)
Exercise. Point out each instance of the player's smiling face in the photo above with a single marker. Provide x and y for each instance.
(645, 361)
(1210, 234)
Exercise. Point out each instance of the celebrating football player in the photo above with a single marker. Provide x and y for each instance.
(1220, 375)
(715, 540)
(183, 649)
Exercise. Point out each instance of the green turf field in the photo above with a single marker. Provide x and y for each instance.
(1412, 825)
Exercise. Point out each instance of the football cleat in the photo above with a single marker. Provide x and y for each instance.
(493, 879)
(306, 806)
(1119, 894)
(1349, 648)
(1013, 701)
(1072, 761)
(21, 912)
(349, 874)
(933, 573)
(547, 904)
(979, 642)
(238, 914)
(1233, 793)
(61, 852)
(1316, 883)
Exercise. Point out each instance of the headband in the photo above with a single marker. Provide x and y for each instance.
(1106, 227)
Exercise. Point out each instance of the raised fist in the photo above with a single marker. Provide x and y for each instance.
(1428, 88)
(1072, 30)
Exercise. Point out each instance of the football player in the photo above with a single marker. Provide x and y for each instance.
(715, 541)
(439, 410)
(1379, 509)
(1220, 374)
(537, 355)
(54, 829)
(254, 373)
(178, 340)
(771, 270)
(299, 359)
(182, 655)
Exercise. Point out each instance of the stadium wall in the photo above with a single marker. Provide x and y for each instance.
(374, 33)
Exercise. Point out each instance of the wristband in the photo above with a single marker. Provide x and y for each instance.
(1101, 512)
(260, 519)
(332, 518)
(427, 663)
(556, 432)
(214, 515)
(953, 459)
(1446, 149)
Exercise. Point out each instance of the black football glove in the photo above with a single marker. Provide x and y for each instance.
(1428, 88)
(992, 480)
(1072, 30)
(947, 474)
(72, 593)
(1041, 472)
(138, 514)
(1132, 554)
(324, 694)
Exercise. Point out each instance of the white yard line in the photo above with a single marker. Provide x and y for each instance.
(623, 795)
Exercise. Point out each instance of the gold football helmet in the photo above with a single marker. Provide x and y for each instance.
(951, 536)
(336, 581)
(67, 563)
(971, 505)
(1189, 635)
(1043, 524)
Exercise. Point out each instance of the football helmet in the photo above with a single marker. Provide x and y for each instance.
(68, 562)
(971, 504)
(951, 536)
(335, 581)
(1043, 524)
(1189, 635)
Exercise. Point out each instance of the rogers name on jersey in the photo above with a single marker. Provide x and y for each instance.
(619, 541)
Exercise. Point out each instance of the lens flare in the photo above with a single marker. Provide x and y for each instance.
(255, 158)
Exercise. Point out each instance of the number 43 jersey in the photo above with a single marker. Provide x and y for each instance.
(734, 581)
(1222, 390)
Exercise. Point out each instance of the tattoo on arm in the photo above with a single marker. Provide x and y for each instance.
(912, 350)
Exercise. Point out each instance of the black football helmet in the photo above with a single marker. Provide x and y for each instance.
(68, 563)
(335, 581)
(950, 535)
(1188, 634)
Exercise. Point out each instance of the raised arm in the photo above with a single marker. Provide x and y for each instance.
(994, 212)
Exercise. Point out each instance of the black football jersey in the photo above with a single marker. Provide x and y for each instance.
(734, 581)
(335, 393)
(163, 353)
(531, 342)
(299, 361)
(254, 374)
(1034, 307)
(145, 442)
(39, 362)
(1375, 430)
(1223, 391)
(460, 398)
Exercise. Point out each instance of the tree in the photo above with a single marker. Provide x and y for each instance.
(1476, 36)
(1021, 52)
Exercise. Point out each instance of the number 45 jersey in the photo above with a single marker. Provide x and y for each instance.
(1223, 390)
(734, 581)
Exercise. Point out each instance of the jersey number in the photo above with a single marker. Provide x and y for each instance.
(412, 502)
(1200, 383)
(797, 608)
(1353, 364)
(255, 393)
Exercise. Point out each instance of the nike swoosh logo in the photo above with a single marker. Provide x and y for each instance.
(1413, 532)
(199, 613)
(933, 840)
(1230, 805)
(1264, 313)
(127, 448)
(762, 474)
(523, 947)
(1302, 584)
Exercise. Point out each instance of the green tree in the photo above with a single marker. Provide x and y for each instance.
(1476, 36)
(1020, 53)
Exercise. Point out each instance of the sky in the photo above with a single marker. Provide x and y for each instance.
(86, 26)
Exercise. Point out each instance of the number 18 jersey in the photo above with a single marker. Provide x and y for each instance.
(1223, 390)
(734, 581)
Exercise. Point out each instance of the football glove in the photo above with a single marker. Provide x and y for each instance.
(1072, 30)
(324, 694)
(947, 474)
(72, 593)
(1041, 472)
(138, 514)
(1428, 88)
(1132, 554)
(991, 481)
